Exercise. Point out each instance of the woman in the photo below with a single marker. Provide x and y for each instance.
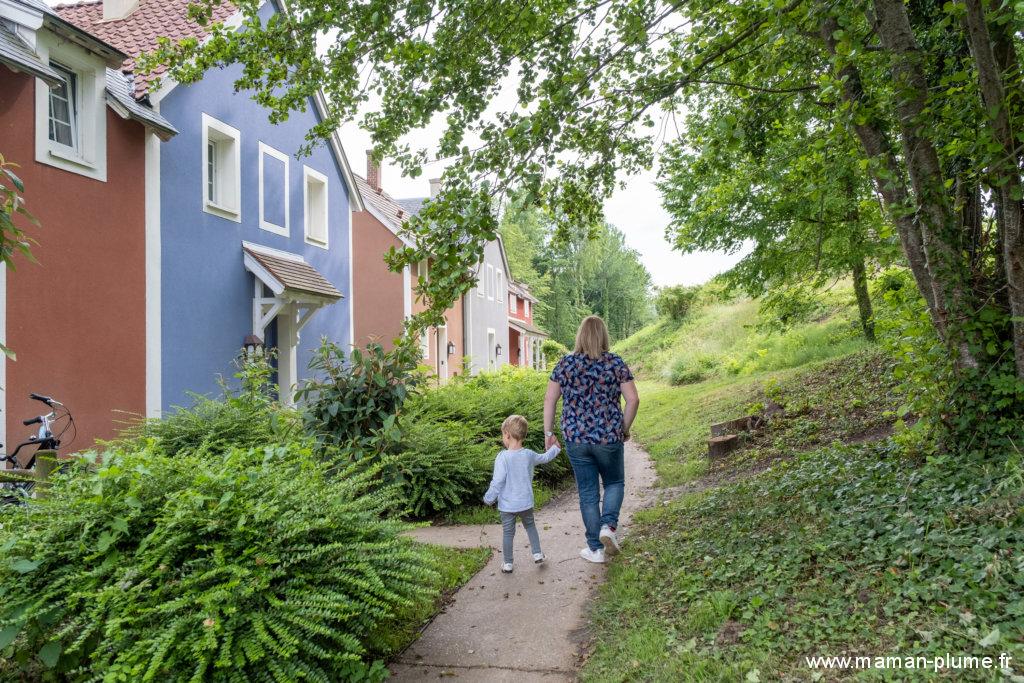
(591, 381)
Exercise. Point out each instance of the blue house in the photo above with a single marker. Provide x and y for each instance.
(245, 239)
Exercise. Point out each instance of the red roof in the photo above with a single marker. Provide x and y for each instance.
(138, 32)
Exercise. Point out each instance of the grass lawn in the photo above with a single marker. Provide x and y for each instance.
(843, 399)
(837, 549)
(455, 567)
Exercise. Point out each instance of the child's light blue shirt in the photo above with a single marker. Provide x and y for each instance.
(512, 483)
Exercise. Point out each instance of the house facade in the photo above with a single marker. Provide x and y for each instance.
(486, 311)
(524, 337)
(382, 299)
(251, 243)
(77, 318)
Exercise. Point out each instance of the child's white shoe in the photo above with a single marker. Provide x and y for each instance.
(595, 556)
(538, 558)
(506, 568)
(609, 541)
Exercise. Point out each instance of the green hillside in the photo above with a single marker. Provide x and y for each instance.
(830, 532)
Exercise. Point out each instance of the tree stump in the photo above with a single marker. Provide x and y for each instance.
(719, 446)
(740, 424)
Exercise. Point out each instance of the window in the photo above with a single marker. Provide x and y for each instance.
(490, 281)
(273, 190)
(425, 344)
(480, 284)
(499, 288)
(222, 188)
(63, 109)
(315, 200)
(70, 117)
(512, 299)
(527, 309)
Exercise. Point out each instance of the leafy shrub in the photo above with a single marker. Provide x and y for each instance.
(354, 401)
(244, 418)
(443, 466)
(452, 434)
(255, 565)
(676, 302)
(553, 351)
(784, 308)
(694, 368)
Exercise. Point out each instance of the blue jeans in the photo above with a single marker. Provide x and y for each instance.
(589, 462)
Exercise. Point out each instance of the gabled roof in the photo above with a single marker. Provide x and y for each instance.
(412, 205)
(384, 208)
(121, 99)
(152, 19)
(285, 272)
(139, 31)
(526, 327)
(520, 289)
(15, 53)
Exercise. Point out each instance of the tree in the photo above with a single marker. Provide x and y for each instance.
(911, 82)
(785, 181)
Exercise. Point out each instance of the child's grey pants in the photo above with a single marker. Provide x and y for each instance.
(508, 525)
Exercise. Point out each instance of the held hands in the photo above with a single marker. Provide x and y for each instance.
(550, 441)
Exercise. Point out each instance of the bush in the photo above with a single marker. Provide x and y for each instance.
(246, 418)
(694, 368)
(354, 402)
(676, 302)
(552, 351)
(254, 565)
(443, 466)
(452, 434)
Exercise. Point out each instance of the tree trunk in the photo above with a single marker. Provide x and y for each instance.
(936, 219)
(1010, 190)
(860, 287)
(888, 180)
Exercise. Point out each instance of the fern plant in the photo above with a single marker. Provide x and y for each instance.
(260, 564)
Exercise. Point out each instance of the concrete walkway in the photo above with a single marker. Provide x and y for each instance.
(526, 626)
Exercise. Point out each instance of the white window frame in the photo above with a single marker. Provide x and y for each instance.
(88, 155)
(309, 175)
(513, 303)
(267, 150)
(526, 308)
(499, 288)
(481, 286)
(489, 282)
(425, 344)
(226, 207)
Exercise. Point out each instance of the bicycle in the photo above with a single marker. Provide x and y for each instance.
(16, 492)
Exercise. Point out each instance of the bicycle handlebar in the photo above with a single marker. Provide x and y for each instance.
(32, 421)
(39, 397)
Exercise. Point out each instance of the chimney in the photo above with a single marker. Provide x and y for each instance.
(372, 171)
(118, 9)
(435, 187)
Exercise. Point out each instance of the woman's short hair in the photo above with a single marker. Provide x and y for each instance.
(515, 426)
(592, 337)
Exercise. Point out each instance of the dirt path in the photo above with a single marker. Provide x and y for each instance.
(525, 626)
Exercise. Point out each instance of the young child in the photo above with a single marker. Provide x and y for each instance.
(512, 486)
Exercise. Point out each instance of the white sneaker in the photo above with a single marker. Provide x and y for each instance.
(538, 558)
(506, 568)
(609, 541)
(596, 556)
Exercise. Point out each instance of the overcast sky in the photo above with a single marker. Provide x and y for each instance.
(636, 210)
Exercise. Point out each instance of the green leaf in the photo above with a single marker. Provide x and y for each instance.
(991, 639)
(50, 653)
(8, 635)
(24, 566)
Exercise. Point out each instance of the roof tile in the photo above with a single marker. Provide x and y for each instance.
(139, 31)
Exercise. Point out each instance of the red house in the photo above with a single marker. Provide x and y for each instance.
(77, 319)
(383, 299)
(524, 338)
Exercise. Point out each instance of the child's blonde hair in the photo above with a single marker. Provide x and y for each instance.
(515, 426)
